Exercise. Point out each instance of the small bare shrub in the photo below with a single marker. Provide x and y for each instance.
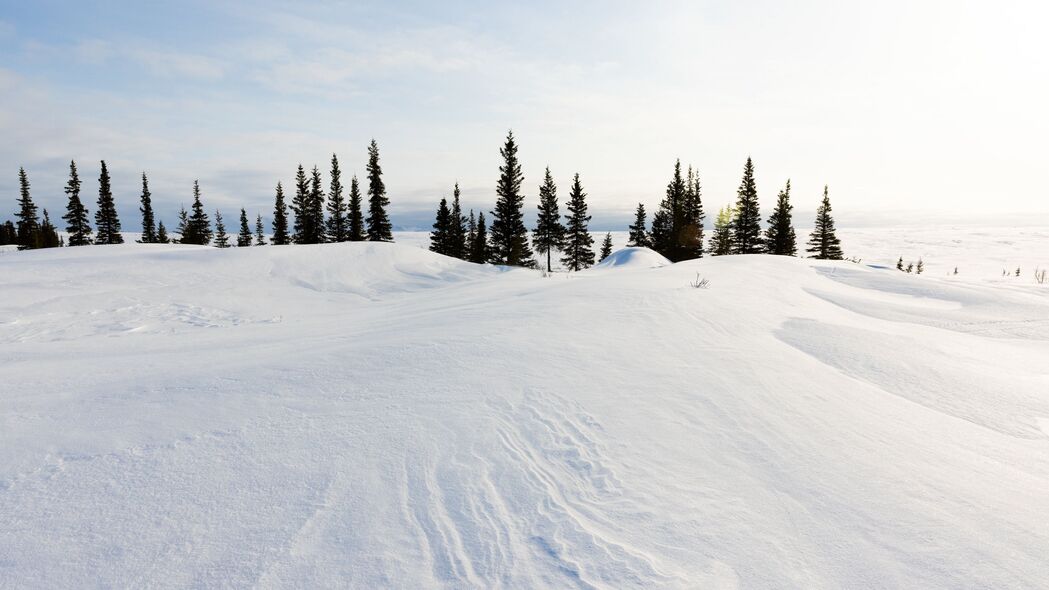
(699, 283)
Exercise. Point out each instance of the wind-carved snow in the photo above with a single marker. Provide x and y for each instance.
(374, 415)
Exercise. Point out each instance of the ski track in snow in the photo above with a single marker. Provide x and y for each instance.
(379, 416)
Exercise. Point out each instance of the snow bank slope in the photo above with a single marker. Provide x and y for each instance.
(634, 257)
(380, 416)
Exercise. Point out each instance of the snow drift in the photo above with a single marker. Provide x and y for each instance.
(633, 257)
(372, 415)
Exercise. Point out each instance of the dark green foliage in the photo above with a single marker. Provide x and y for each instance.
(308, 206)
(354, 216)
(379, 227)
(606, 247)
(899, 263)
(300, 206)
(721, 242)
(162, 234)
(149, 224)
(8, 234)
(457, 228)
(690, 233)
(338, 228)
(260, 237)
(77, 223)
(549, 233)
(28, 223)
(471, 234)
(107, 223)
(198, 226)
(638, 231)
(221, 237)
(677, 227)
(578, 243)
(479, 252)
(746, 225)
(779, 237)
(823, 242)
(183, 225)
(48, 236)
(662, 228)
(244, 236)
(509, 237)
(280, 219)
(439, 235)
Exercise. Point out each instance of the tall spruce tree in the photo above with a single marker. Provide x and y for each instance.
(823, 242)
(77, 224)
(300, 206)
(316, 208)
(549, 233)
(471, 234)
(479, 252)
(606, 247)
(379, 227)
(221, 237)
(690, 236)
(48, 236)
(721, 242)
(198, 227)
(746, 226)
(162, 234)
(182, 229)
(439, 235)
(149, 224)
(662, 230)
(578, 243)
(260, 237)
(8, 234)
(338, 229)
(106, 220)
(457, 228)
(780, 238)
(509, 236)
(244, 236)
(354, 216)
(280, 219)
(638, 231)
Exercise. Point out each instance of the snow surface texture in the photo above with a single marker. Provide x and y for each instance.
(375, 415)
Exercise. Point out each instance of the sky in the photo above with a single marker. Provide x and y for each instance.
(906, 109)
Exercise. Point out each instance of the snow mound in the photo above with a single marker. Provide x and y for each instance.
(633, 258)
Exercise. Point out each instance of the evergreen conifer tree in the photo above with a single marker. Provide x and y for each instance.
(606, 247)
(183, 225)
(338, 229)
(221, 237)
(479, 252)
(300, 206)
(509, 237)
(8, 234)
(28, 223)
(899, 263)
(149, 226)
(48, 236)
(280, 219)
(471, 234)
(260, 237)
(638, 231)
(379, 227)
(354, 216)
(439, 235)
(690, 236)
(578, 243)
(198, 228)
(162, 234)
(77, 225)
(780, 238)
(662, 228)
(106, 220)
(721, 242)
(823, 242)
(457, 228)
(549, 233)
(316, 209)
(746, 225)
(244, 237)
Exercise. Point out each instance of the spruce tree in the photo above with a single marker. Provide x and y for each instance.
(606, 247)
(662, 230)
(721, 242)
(509, 237)
(439, 235)
(198, 228)
(149, 226)
(899, 263)
(471, 234)
(300, 206)
(280, 219)
(183, 225)
(578, 243)
(479, 252)
(221, 237)
(244, 237)
(549, 233)
(457, 228)
(48, 235)
(260, 237)
(746, 226)
(106, 220)
(638, 231)
(28, 223)
(690, 235)
(8, 234)
(823, 242)
(77, 224)
(162, 234)
(379, 227)
(354, 216)
(338, 229)
(316, 209)
(779, 237)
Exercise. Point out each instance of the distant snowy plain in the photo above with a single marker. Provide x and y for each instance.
(378, 416)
